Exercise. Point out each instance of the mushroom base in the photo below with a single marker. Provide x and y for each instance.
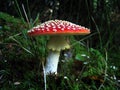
(52, 62)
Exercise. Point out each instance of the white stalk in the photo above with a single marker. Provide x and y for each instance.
(52, 62)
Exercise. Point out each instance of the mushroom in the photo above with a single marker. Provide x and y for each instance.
(57, 29)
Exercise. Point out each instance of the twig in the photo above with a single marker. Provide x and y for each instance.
(83, 39)
(44, 75)
(25, 14)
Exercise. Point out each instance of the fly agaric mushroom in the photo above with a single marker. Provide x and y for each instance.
(57, 29)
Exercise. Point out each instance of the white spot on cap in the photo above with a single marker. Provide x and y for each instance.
(38, 29)
(55, 30)
(54, 27)
(68, 28)
(79, 27)
(62, 29)
(52, 24)
(32, 30)
(47, 29)
(42, 29)
(74, 28)
(42, 26)
(37, 26)
(59, 27)
(48, 25)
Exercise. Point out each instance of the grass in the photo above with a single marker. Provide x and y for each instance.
(87, 67)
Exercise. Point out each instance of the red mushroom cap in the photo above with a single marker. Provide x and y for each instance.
(58, 27)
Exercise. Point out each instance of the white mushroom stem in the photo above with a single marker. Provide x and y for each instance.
(52, 62)
(55, 45)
